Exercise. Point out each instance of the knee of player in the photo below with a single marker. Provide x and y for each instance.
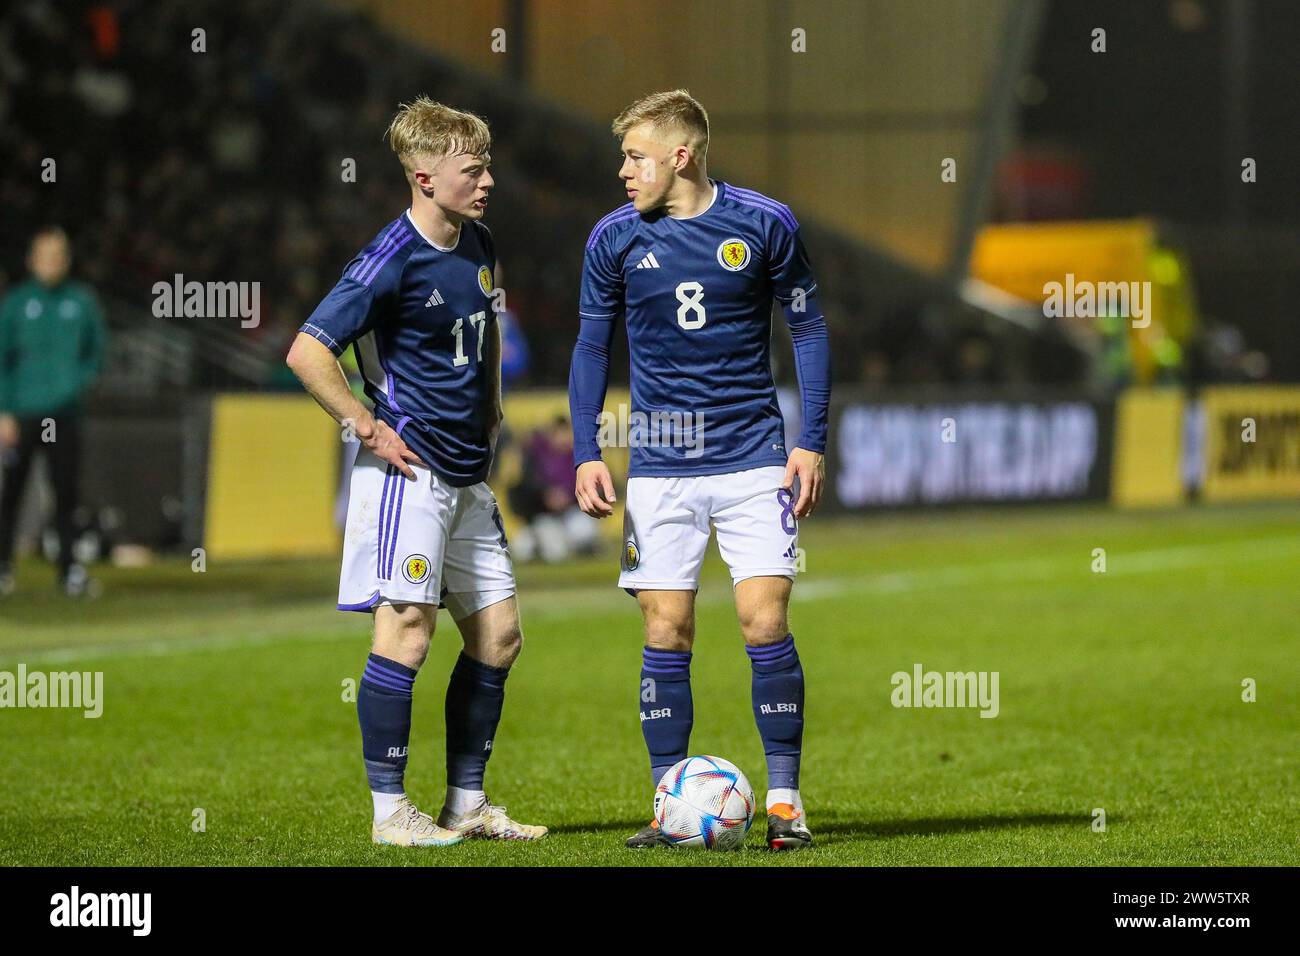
(669, 621)
(403, 632)
(764, 626)
(407, 648)
(666, 634)
(508, 645)
(415, 645)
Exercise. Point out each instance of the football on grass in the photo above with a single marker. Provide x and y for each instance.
(705, 802)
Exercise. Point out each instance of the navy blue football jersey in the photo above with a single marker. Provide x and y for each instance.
(418, 317)
(696, 297)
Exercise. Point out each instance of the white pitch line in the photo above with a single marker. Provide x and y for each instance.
(168, 648)
(1118, 563)
(609, 598)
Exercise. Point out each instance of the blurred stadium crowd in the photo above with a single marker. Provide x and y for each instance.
(227, 165)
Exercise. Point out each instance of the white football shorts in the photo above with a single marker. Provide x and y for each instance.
(421, 542)
(668, 521)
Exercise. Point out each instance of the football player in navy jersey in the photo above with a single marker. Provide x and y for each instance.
(423, 529)
(691, 266)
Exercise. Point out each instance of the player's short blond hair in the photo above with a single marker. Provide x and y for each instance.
(669, 111)
(428, 130)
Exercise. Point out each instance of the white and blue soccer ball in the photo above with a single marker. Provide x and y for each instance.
(705, 802)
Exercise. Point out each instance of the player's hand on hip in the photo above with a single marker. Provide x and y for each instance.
(8, 431)
(388, 446)
(810, 468)
(594, 489)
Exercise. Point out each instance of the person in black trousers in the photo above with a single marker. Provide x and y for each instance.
(51, 351)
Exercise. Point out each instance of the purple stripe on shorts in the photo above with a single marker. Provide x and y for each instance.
(394, 518)
(365, 605)
(383, 506)
(397, 520)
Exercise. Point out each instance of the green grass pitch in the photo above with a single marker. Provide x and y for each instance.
(1119, 690)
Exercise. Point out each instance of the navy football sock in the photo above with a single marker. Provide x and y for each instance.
(778, 709)
(475, 696)
(384, 711)
(667, 711)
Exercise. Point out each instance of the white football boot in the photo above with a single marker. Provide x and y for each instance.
(409, 827)
(488, 822)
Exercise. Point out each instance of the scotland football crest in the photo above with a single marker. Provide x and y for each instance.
(733, 255)
(415, 568)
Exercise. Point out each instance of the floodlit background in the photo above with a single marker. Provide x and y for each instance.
(1093, 495)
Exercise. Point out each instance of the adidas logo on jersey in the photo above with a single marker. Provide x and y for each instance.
(649, 262)
(435, 299)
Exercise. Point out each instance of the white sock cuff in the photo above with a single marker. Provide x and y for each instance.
(385, 804)
(463, 801)
(784, 795)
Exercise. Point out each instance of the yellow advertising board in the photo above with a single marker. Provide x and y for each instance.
(273, 467)
(1252, 442)
(1145, 469)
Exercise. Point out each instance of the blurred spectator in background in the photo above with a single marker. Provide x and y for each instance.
(51, 350)
(514, 345)
(555, 528)
(515, 360)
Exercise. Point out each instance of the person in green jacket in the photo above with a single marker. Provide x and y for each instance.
(51, 351)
